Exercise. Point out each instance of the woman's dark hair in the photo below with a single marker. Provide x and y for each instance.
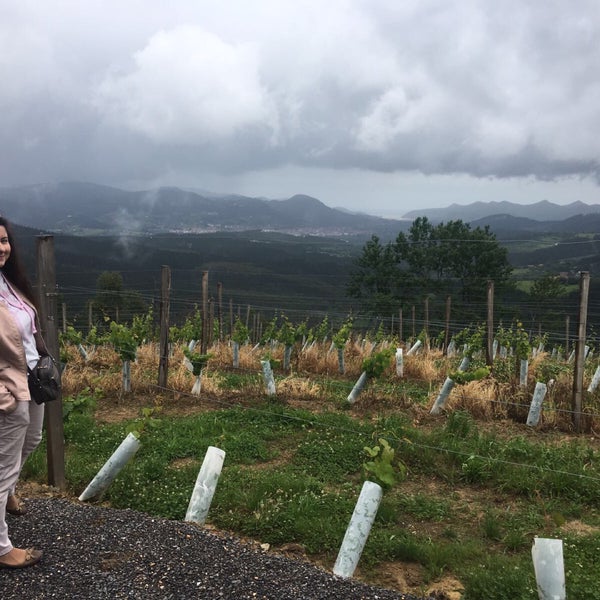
(13, 269)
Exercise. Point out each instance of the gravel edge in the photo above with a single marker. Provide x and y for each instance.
(94, 552)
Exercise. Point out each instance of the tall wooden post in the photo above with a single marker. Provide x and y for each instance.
(400, 325)
(204, 341)
(447, 334)
(46, 274)
(489, 347)
(230, 316)
(211, 321)
(426, 322)
(584, 288)
(165, 291)
(220, 309)
(567, 336)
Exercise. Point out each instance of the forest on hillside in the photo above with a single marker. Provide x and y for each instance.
(302, 275)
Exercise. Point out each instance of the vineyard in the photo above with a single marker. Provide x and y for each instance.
(465, 490)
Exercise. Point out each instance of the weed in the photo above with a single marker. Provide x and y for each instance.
(459, 424)
(491, 526)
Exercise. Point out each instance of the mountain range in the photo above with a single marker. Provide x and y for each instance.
(538, 211)
(87, 208)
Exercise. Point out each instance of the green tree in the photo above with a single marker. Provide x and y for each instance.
(375, 277)
(544, 294)
(546, 289)
(418, 250)
(109, 294)
(429, 259)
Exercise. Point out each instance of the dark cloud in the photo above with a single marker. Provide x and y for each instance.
(148, 92)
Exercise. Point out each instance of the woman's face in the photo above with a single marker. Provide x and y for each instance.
(4, 246)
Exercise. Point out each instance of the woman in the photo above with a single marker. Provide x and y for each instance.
(20, 418)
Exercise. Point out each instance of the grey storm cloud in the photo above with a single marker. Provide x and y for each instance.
(112, 91)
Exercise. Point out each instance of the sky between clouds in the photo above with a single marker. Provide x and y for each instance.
(376, 105)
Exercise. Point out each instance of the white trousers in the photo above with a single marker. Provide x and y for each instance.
(33, 435)
(13, 428)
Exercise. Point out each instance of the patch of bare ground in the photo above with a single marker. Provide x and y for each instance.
(578, 528)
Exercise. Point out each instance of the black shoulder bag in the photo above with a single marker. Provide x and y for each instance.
(44, 380)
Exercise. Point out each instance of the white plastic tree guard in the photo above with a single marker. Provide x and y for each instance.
(106, 475)
(358, 388)
(236, 355)
(268, 377)
(523, 372)
(197, 387)
(287, 357)
(536, 404)
(126, 372)
(206, 484)
(414, 348)
(595, 380)
(399, 363)
(440, 401)
(358, 529)
(341, 364)
(548, 564)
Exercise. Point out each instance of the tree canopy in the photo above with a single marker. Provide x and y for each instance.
(429, 260)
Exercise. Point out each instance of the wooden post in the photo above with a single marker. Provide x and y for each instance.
(489, 347)
(400, 325)
(247, 315)
(447, 334)
(204, 341)
(230, 316)
(567, 329)
(584, 288)
(220, 309)
(211, 321)
(426, 323)
(46, 274)
(163, 361)
(414, 334)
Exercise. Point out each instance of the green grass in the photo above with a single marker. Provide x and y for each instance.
(470, 504)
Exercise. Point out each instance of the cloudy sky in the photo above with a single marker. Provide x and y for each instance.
(376, 105)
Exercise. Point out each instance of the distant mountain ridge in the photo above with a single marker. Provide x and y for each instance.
(87, 208)
(504, 225)
(91, 208)
(539, 211)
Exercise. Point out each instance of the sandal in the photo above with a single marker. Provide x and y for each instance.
(32, 556)
(15, 506)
